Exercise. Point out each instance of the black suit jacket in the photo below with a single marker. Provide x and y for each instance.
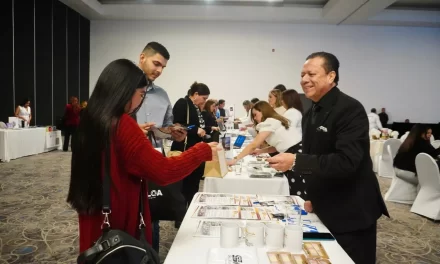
(336, 164)
(180, 113)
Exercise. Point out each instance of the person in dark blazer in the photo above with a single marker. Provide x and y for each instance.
(335, 160)
(186, 112)
(211, 125)
(417, 142)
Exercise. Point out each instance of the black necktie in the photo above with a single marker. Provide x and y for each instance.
(315, 110)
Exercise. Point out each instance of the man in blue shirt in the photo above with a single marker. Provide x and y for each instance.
(156, 109)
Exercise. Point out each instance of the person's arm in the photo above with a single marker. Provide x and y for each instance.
(258, 140)
(351, 139)
(208, 122)
(265, 150)
(429, 149)
(168, 119)
(17, 113)
(142, 160)
(30, 116)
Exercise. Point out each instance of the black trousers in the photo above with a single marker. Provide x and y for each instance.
(191, 183)
(359, 245)
(68, 132)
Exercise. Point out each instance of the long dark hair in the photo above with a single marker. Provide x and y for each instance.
(208, 105)
(268, 112)
(99, 121)
(292, 100)
(416, 133)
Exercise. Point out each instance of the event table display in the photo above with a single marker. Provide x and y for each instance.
(245, 181)
(204, 236)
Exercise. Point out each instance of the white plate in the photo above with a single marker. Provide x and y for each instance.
(232, 256)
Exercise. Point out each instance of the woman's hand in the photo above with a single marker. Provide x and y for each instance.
(215, 128)
(257, 152)
(308, 206)
(214, 148)
(201, 132)
(231, 162)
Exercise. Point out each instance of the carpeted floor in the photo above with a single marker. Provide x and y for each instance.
(37, 226)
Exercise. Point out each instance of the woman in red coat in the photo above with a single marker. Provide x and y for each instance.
(118, 94)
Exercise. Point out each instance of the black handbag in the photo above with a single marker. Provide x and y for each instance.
(116, 246)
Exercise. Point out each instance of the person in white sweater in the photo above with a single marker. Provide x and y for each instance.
(272, 128)
(374, 120)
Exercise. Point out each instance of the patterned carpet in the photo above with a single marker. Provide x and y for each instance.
(37, 226)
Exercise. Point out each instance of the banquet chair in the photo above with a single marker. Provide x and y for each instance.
(427, 202)
(386, 168)
(436, 143)
(403, 188)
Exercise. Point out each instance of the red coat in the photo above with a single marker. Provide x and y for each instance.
(71, 115)
(133, 158)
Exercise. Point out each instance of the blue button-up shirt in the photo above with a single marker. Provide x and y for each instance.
(156, 108)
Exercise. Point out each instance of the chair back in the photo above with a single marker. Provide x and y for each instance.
(436, 143)
(427, 172)
(394, 145)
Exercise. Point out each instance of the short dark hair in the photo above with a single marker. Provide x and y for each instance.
(255, 100)
(292, 100)
(246, 102)
(373, 110)
(280, 87)
(154, 47)
(221, 101)
(200, 88)
(331, 63)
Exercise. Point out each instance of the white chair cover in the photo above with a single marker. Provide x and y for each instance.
(404, 136)
(400, 191)
(375, 152)
(436, 143)
(427, 202)
(386, 168)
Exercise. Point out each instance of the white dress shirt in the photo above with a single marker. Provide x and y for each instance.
(280, 138)
(374, 121)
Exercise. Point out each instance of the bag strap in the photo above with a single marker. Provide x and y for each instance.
(187, 123)
(90, 253)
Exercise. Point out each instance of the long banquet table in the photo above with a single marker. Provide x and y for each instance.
(17, 143)
(189, 249)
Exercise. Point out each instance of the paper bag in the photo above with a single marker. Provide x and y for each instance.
(217, 168)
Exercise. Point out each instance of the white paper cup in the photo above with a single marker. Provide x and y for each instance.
(229, 235)
(293, 238)
(254, 235)
(274, 236)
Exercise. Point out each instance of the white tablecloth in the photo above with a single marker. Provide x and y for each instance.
(187, 249)
(232, 183)
(16, 143)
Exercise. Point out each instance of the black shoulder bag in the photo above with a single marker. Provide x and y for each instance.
(116, 246)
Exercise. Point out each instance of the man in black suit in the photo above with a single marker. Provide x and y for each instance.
(335, 161)
(383, 116)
